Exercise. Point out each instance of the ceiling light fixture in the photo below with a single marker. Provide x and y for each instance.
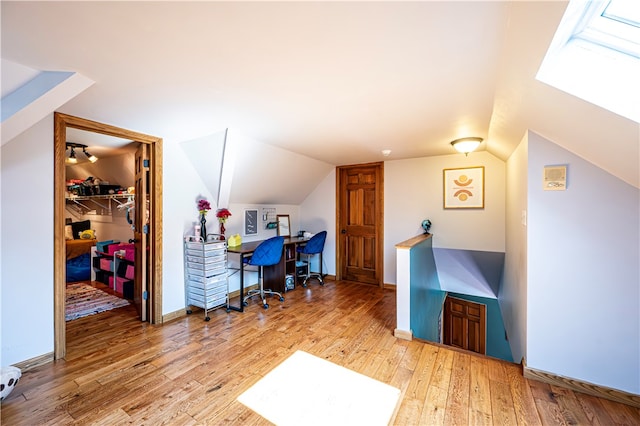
(466, 145)
(90, 157)
(72, 157)
(72, 153)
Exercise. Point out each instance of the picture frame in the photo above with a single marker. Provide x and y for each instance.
(463, 188)
(284, 225)
(250, 222)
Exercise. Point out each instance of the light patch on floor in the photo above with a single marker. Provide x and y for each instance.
(307, 390)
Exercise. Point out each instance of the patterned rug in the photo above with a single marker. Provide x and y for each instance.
(83, 300)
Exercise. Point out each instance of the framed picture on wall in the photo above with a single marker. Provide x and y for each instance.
(464, 188)
(250, 222)
(284, 225)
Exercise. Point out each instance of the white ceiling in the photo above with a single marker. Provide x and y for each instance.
(334, 81)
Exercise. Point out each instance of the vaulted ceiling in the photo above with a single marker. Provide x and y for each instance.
(334, 81)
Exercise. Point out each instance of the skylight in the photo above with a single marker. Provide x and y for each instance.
(595, 55)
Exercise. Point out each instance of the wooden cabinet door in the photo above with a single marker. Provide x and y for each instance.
(465, 325)
(359, 222)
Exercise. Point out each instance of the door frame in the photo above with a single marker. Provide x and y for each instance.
(340, 244)
(61, 123)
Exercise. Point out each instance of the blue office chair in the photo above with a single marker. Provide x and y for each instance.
(314, 246)
(268, 253)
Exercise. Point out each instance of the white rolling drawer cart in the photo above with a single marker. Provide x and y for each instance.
(205, 265)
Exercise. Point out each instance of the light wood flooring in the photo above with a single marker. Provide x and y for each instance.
(188, 371)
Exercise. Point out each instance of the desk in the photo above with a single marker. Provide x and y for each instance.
(273, 275)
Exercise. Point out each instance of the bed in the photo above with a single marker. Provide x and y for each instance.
(76, 248)
(78, 251)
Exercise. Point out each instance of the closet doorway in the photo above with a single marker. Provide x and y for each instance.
(147, 227)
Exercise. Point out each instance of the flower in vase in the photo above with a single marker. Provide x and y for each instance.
(222, 215)
(203, 206)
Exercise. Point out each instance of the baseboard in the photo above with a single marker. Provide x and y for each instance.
(236, 293)
(32, 363)
(403, 334)
(174, 315)
(584, 387)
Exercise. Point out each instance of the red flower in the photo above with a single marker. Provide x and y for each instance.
(223, 214)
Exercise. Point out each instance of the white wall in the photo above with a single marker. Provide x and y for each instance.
(267, 174)
(318, 213)
(26, 282)
(583, 272)
(182, 187)
(413, 191)
(206, 157)
(513, 289)
(1, 268)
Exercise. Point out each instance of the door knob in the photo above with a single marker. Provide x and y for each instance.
(344, 231)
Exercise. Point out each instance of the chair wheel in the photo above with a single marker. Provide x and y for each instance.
(207, 318)
(245, 303)
(189, 311)
(266, 306)
(282, 299)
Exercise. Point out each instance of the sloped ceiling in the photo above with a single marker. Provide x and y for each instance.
(336, 82)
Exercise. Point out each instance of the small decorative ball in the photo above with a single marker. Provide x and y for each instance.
(9, 377)
(426, 225)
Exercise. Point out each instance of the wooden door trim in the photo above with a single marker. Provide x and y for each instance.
(340, 258)
(61, 123)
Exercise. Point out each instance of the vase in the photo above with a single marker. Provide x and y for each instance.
(203, 226)
(222, 229)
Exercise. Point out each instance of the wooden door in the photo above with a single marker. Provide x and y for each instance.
(141, 231)
(465, 324)
(360, 223)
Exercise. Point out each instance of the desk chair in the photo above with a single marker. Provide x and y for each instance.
(268, 253)
(314, 246)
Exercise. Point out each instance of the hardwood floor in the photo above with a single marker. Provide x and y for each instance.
(188, 371)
